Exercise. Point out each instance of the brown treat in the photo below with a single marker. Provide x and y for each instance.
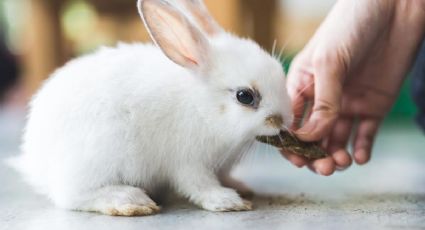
(289, 143)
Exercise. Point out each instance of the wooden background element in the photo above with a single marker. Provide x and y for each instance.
(46, 48)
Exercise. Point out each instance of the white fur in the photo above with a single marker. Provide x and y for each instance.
(125, 118)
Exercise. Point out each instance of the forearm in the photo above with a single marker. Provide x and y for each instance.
(352, 26)
(410, 18)
(354, 29)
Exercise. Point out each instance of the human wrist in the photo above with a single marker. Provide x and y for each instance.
(410, 18)
(412, 11)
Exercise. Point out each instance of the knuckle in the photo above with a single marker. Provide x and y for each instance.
(298, 60)
(327, 109)
(324, 59)
(337, 60)
(369, 138)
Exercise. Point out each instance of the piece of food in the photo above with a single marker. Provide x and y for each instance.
(289, 143)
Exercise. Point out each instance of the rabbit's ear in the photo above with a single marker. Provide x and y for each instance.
(181, 41)
(203, 18)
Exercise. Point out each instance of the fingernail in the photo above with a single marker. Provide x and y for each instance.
(319, 172)
(306, 129)
(299, 165)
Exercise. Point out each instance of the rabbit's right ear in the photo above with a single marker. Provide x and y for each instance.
(181, 41)
(200, 13)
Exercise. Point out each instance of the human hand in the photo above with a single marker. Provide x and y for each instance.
(352, 70)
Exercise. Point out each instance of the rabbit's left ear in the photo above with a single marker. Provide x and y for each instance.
(178, 38)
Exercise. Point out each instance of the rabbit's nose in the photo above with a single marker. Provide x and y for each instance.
(274, 121)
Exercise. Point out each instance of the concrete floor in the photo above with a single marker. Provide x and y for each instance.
(388, 193)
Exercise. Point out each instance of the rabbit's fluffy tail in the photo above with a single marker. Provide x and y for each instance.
(23, 165)
(15, 162)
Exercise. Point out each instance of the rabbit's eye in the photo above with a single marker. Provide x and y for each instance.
(245, 96)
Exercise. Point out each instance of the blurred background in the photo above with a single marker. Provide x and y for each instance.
(37, 36)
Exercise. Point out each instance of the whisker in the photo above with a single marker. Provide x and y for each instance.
(304, 89)
(249, 150)
(274, 48)
(280, 138)
(288, 40)
(291, 132)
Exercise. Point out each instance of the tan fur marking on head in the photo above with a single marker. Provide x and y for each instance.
(222, 109)
(254, 85)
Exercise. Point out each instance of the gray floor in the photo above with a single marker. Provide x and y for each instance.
(388, 193)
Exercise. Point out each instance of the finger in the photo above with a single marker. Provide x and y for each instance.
(328, 90)
(301, 114)
(301, 91)
(363, 140)
(342, 159)
(299, 78)
(324, 143)
(296, 160)
(298, 105)
(324, 167)
(308, 110)
(340, 156)
(338, 141)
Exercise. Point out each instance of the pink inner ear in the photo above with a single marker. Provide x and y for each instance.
(192, 60)
(174, 34)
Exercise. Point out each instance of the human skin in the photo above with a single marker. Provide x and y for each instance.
(352, 70)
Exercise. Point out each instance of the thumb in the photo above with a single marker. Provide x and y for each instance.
(328, 75)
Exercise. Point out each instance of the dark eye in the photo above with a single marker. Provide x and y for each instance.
(245, 96)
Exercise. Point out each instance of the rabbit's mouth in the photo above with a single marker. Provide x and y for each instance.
(287, 142)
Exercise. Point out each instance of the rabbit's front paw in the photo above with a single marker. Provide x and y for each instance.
(133, 210)
(130, 201)
(223, 200)
(120, 200)
(240, 187)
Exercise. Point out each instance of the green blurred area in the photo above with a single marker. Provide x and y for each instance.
(404, 107)
(80, 17)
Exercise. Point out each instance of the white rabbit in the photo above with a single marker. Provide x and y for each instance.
(109, 128)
